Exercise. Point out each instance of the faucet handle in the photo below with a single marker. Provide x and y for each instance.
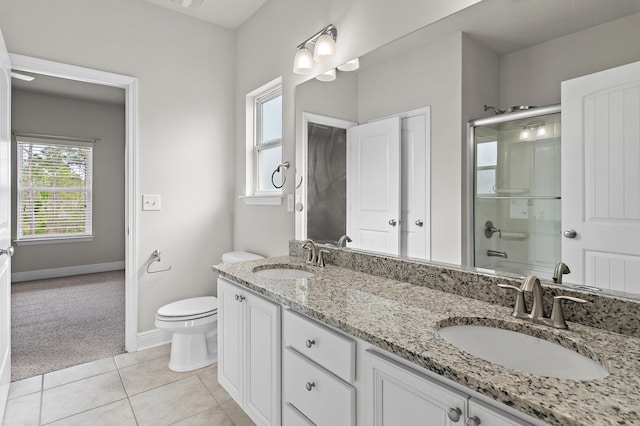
(557, 317)
(519, 308)
(321, 255)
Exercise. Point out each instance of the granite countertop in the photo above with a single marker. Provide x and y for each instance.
(403, 319)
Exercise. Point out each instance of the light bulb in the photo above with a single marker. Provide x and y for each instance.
(542, 131)
(525, 134)
(327, 76)
(325, 49)
(303, 62)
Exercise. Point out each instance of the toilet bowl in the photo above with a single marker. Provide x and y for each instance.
(193, 325)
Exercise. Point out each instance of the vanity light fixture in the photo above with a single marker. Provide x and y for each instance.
(323, 44)
(351, 65)
(327, 76)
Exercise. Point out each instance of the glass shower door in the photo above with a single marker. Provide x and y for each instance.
(517, 192)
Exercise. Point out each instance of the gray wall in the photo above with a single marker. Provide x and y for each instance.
(532, 76)
(53, 115)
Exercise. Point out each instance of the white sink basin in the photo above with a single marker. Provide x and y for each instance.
(281, 272)
(522, 352)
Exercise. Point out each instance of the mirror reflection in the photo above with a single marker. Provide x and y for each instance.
(498, 52)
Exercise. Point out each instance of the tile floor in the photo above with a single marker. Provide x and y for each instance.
(128, 389)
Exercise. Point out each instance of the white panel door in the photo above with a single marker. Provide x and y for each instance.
(373, 186)
(601, 178)
(416, 186)
(5, 224)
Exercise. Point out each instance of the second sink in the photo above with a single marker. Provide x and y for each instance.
(522, 352)
(282, 271)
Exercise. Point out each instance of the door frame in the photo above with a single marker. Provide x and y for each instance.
(130, 85)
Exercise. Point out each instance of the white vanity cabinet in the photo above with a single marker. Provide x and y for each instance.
(400, 395)
(318, 374)
(249, 350)
(397, 395)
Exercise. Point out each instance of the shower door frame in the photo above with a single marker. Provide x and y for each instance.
(469, 251)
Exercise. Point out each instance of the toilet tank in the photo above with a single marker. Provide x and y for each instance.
(239, 256)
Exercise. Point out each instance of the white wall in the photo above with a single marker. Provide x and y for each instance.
(185, 69)
(532, 76)
(54, 115)
(270, 41)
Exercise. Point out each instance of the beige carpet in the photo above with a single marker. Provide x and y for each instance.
(62, 322)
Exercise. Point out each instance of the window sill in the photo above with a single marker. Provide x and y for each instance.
(262, 200)
(61, 240)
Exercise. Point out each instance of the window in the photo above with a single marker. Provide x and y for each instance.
(264, 144)
(54, 183)
(486, 163)
(268, 140)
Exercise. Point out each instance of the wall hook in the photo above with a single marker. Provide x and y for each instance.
(155, 257)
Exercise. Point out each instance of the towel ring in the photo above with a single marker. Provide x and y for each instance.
(155, 257)
(284, 166)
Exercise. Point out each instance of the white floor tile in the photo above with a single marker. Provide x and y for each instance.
(25, 387)
(148, 375)
(23, 411)
(78, 372)
(173, 402)
(125, 360)
(117, 413)
(76, 397)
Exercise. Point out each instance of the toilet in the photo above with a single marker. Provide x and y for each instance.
(193, 324)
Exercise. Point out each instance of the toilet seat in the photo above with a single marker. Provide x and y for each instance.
(188, 309)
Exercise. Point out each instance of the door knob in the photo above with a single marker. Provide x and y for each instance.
(393, 222)
(570, 233)
(9, 251)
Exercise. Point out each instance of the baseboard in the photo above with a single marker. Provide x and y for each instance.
(68, 271)
(151, 338)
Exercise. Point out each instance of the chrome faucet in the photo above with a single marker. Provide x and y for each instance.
(312, 254)
(342, 241)
(561, 269)
(532, 284)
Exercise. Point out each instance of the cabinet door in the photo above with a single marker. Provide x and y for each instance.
(484, 414)
(396, 395)
(262, 353)
(230, 325)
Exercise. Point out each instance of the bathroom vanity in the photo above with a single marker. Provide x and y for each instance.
(361, 349)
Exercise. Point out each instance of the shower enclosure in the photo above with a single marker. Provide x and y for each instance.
(516, 191)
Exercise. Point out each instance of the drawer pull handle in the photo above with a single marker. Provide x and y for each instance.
(310, 385)
(454, 414)
(310, 343)
(239, 297)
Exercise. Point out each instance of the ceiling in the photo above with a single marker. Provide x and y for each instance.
(226, 13)
(65, 88)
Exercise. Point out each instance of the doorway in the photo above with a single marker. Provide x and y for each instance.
(31, 65)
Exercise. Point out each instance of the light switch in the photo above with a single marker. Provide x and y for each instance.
(290, 203)
(151, 202)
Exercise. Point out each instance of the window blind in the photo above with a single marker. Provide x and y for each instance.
(54, 189)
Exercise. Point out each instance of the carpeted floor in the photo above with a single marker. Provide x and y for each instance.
(62, 322)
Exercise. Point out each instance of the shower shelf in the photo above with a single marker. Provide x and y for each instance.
(519, 197)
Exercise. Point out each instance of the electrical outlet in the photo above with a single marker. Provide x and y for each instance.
(151, 202)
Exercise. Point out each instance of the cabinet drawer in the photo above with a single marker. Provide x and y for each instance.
(319, 395)
(329, 349)
(292, 417)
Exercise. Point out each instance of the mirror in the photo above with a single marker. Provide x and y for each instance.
(497, 52)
